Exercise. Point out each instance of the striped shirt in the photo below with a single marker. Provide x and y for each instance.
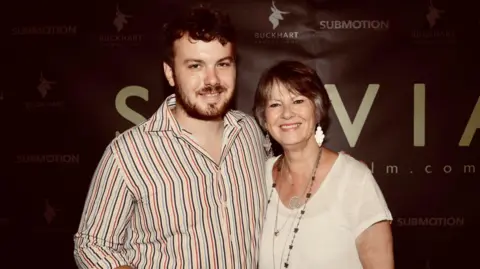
(157, 200)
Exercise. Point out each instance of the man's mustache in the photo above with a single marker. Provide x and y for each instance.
(217, 88)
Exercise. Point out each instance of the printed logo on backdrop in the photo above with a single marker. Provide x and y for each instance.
(440, 222)
(44, 86)
(121, 32)
(120, 20)
(50, 212)
(45, 30)
(427, 169)
(276, 15)
(48, 158)
(277, 34)
(434, 28)
(372, 24)
(352, 128)
(124, 110)
(46, 94)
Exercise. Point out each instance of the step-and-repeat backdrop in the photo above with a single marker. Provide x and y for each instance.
(403, 78)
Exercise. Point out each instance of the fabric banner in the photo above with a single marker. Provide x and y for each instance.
(402, 77)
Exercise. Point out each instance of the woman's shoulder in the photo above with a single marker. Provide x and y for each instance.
(353, 164)
(350, 173)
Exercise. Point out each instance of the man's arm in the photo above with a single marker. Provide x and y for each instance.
(108, 207)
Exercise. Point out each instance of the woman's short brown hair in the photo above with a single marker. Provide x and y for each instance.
(297, 78)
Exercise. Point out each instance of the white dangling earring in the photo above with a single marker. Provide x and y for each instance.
(267, 144)
(319, 136)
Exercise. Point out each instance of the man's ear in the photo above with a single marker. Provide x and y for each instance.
(168, 74)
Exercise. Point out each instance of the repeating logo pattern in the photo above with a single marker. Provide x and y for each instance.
(120, 20)
(282, 29)
(44, 86)
(276, 16)
(433, 14)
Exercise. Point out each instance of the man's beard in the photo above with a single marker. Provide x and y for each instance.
(212, 111)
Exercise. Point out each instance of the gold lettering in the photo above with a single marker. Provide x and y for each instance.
(468, 168)
(419, 115)
(472, 126)
(392, 169)
(121, 103)
(353, 129)
(428, 171)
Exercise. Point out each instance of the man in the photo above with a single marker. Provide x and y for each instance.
(184, 189)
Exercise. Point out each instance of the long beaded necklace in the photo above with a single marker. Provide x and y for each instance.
(302, 212)
(294, 202)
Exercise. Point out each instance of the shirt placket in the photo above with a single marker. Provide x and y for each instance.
(224, 215)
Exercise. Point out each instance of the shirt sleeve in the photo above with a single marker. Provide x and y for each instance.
(365, 203)
(98, 243)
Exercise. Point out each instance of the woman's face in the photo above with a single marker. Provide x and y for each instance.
(289, 118)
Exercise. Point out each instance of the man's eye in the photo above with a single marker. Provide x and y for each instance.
(225, 64)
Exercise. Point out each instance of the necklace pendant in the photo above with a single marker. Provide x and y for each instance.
(276, 233)
(294, 202)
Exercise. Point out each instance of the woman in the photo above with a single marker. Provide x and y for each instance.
(325, 209)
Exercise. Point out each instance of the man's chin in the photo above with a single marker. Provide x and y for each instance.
(207, 108)
(207, 117)
(208, 114)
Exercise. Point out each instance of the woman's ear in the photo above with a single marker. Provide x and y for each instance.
(265, 127)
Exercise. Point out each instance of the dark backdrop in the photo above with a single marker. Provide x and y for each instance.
(403, 78)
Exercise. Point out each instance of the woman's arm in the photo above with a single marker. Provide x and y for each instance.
(375, 246)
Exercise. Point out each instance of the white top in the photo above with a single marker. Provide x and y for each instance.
(347, 202)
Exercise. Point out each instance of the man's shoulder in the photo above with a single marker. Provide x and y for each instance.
(241, 116)
(237, 114)
(131, 134)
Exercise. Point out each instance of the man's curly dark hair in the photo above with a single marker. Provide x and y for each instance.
(199, 23)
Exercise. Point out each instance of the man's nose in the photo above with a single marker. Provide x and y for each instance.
(211, 77)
